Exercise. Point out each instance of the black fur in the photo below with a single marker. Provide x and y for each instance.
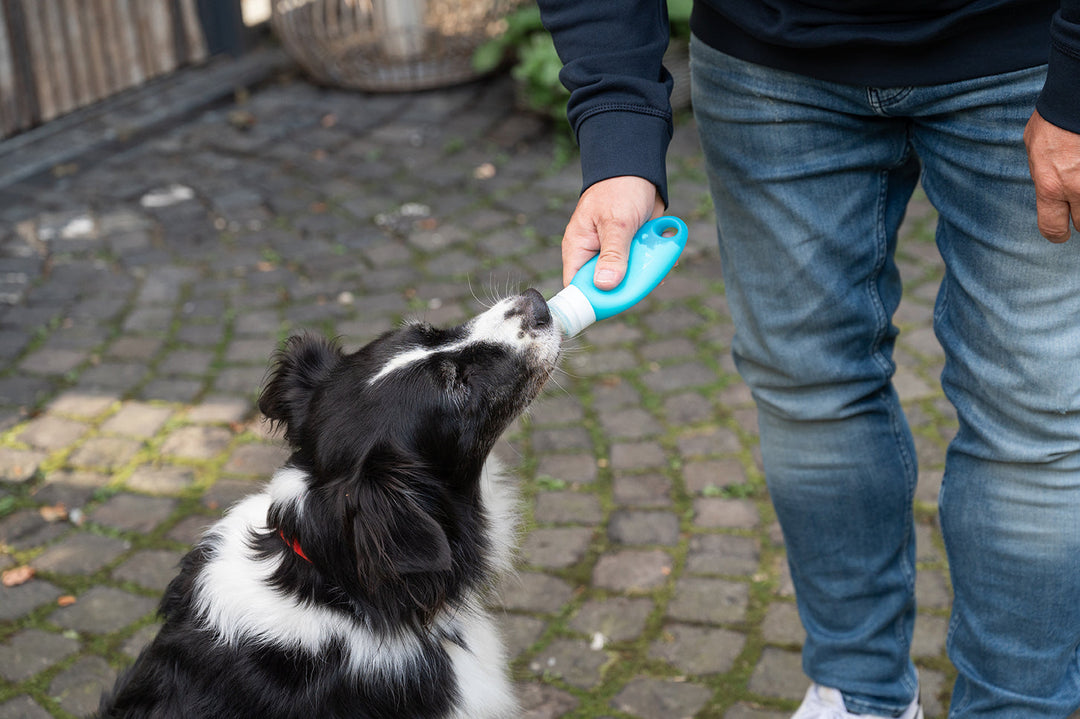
(392, 522)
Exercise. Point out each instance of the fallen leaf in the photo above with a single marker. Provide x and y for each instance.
(18, 575)
(242, 119)
(64, 170)
(53, 513)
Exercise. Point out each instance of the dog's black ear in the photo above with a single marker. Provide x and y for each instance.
(298, 368)
(394, 534)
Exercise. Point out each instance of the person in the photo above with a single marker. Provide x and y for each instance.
(817, 121)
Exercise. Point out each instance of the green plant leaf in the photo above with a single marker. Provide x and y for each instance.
(524, 22)
(679, 10)
(488, 56)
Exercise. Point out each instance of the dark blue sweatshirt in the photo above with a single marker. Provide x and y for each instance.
(619, 107)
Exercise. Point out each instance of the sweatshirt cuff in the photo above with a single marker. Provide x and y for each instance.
(1059, 102)
(624, 142)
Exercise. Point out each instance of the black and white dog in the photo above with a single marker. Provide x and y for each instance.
(354, 584)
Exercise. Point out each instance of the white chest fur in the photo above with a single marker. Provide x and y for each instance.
(235, 598)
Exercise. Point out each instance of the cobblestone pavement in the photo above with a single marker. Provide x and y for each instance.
(141, 296)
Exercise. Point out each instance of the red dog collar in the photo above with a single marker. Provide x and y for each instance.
(294, 544)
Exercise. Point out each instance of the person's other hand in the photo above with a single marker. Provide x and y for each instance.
(605, 220)
(1054, 160)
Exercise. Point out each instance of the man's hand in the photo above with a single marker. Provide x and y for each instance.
(605, 220)
(1054, 160)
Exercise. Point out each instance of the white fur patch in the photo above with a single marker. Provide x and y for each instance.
(490, 326)
(235, 599)
(287, 488)
(485, 691)
(500, 499)
(480, 670)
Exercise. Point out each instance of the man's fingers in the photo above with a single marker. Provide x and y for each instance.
(609, 272)
(573, 257)
(1053, 218)
(615, 240)
(612, 239)
(616, 233)
(605, 220)
(1054, 161)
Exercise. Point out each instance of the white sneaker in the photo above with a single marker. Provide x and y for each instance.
(825, 703)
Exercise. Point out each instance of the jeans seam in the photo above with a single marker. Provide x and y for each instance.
(881, 245)
(879, 306)
(942, 298)
(882, 242)
(961, 698)
(942, 301)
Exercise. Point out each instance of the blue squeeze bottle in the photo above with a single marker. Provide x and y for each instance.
(652, 255)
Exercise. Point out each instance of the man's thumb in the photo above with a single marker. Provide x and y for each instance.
(610, 270)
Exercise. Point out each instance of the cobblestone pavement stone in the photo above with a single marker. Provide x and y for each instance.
(142, 294)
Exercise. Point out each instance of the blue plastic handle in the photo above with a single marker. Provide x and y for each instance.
(652, 255)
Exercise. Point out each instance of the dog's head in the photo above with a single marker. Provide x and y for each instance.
(391, 441)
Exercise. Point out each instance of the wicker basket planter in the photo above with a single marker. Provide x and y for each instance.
(388, 45)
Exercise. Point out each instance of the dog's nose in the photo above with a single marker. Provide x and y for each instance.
(535, 309)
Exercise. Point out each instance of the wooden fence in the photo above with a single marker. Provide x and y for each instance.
(59, 55)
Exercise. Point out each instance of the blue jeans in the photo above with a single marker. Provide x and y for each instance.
(810, 181)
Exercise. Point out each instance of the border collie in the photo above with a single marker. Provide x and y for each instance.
(354, 584)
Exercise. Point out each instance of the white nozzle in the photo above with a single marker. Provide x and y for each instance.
(572, 310)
